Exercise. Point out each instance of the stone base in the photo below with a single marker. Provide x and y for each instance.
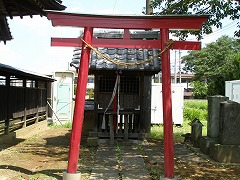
(165, 178)
(205, 143)
(92, 141)
(225, 153)
(143, 136)
(92, 134)
(71, 176)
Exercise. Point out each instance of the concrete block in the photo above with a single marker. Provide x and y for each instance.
(71, 176)
(205, 144)
(92, 141)
(165, 178)
(225, 153)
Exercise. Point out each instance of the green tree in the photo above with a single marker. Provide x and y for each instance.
(217, 9)
(200, 89)
(216, 63)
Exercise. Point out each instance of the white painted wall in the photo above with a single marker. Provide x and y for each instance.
(232, 90)
(177, 104)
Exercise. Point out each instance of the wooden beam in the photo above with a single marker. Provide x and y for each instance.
(190, 22)
(126, 43)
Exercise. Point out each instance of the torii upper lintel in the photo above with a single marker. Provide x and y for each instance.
(186, 22)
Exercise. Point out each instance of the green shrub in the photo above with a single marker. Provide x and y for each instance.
(195, 109)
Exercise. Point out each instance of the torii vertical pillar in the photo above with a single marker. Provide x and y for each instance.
(76, 133)
(167, 109)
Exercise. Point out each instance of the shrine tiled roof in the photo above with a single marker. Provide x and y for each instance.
(124, 55)
(12, 8)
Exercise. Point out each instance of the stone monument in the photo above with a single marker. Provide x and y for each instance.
(227, 148)
(213, 122)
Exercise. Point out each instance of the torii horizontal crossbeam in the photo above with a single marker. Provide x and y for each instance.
(190, 22)
(126, 43)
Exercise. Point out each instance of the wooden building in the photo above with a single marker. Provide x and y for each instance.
(23, 97)
(128, 114)
(13, 8)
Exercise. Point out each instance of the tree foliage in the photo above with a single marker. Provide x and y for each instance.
(216, 63)
(217, 9)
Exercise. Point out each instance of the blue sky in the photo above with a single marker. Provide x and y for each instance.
(30, 49)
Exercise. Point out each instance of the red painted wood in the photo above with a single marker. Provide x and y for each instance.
(79, 104)
(127, 22)
(126, 34)
(167, 109)
(126, 43)
(67, 42)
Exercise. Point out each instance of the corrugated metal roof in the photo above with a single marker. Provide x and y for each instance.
(12, 71)
(125, 55)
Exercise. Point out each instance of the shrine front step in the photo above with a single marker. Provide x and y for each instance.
(119, 162)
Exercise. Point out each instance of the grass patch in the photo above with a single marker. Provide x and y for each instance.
(64, 125)
(192, 110)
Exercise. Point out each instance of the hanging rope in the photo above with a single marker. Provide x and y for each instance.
(169, 43)
(116, 86)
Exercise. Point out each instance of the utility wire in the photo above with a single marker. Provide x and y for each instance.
(114, 6)
(223, 29)
(226, 27)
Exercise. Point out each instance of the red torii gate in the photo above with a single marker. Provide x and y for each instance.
(88, 22)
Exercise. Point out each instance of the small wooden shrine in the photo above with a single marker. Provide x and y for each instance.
(122, 94)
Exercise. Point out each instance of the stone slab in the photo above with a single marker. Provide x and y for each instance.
(119, 161)
(132, 164)
(106, 164)
(229, 125)
(225, 153)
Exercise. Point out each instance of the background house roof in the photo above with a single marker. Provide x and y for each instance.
(11, 8)
(12, 71)
(97, 63)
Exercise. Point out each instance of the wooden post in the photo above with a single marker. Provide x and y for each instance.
(79, 104)
(25, 118)
(7, 121)
(96, 95)
(111, 117)
(24, 104)
(37, 115)
(167, 108)
(125, 127)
